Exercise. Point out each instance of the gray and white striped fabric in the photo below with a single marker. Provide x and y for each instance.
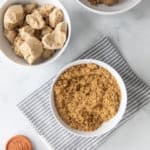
(37, 109)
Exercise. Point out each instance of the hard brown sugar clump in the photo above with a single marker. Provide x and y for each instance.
(86, 96)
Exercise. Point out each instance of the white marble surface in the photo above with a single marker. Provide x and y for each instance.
(132, 35)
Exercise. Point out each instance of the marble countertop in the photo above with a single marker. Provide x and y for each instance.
(131, 33)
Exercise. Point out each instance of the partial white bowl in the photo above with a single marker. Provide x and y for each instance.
(107, 126)
(122, 6)
(5, 47)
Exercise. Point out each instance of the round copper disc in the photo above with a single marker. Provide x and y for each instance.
(19, 142)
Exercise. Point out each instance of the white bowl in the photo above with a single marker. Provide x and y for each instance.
(5, 47)
(122, 6)
(107, 126)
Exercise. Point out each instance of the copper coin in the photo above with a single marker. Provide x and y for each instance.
(19, 142)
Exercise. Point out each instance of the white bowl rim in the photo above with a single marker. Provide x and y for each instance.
(122, 106)
(100, 12)
(51, 60)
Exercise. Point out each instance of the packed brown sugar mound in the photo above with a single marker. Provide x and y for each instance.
(86, 96)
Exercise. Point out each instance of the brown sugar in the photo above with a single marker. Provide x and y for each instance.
(86, 96)
(106, 2)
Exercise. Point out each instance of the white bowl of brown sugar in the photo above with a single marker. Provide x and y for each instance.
(33, 32)
(88, 97)
(108, 7)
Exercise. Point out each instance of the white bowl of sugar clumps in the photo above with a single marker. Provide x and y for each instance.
(108, 7)
(33, 32)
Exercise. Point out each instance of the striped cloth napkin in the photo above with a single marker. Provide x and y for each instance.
(36, 107)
